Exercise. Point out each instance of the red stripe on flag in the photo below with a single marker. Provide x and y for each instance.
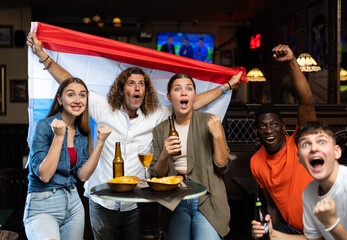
(69, 41)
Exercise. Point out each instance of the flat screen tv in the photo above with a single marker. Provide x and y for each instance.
(193, 45)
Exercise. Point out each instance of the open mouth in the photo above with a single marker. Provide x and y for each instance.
(184, 103)
(317, 163)
(137, 97)
(270, 140)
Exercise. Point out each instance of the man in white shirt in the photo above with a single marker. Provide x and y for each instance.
(131, 110)
(325, 198)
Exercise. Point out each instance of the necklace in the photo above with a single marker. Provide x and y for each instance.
(134, 116)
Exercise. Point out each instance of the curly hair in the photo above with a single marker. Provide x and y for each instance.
(115, 96)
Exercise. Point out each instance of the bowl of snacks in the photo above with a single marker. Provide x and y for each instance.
(164, 183)
(123, 184)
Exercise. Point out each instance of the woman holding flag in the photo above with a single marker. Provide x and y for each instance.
(125, 111)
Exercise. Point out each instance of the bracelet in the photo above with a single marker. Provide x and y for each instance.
(333, 226)
(229, 85)
(44, 60)
(223, 89)
(48, 65)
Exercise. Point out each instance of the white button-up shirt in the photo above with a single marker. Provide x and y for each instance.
(130, 134)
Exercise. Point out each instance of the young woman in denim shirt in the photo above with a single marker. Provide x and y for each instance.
(59, 151)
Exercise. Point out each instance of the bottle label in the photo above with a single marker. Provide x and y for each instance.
(266, 227)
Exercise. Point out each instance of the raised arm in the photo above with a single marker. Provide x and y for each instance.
(49, 165)
(306, 110)
(57, 72)
(89, 167)
(220, 153)
(207, 97)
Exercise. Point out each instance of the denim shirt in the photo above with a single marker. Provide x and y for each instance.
(40, 143)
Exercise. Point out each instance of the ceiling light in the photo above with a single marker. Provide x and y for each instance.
(255, 75)
(117, 22)
(343, 75)
(96, 18)
(100, 24)
(307, 63)
(86, 20)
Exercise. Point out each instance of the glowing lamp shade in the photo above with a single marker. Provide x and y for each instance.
(96, 18)
(117, 22)
(86, 20)
(343, 75)
(255, 75)
(307, 63)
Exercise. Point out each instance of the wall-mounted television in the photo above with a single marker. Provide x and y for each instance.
(192, 45)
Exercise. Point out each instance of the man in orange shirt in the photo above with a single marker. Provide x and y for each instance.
(275, 166)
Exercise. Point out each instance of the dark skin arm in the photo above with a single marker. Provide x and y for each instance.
(271, 207)
(306, 110)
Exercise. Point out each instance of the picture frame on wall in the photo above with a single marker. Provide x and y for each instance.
(318, 25)
(2, 89)
(19, 91)
(6, 36)
(226, 57)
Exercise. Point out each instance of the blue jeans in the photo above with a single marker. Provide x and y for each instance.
(55, 214)
(113, 224)
(189, 223)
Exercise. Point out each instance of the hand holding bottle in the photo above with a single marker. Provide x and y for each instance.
(259, 231)
(172, 143)
(172, 146)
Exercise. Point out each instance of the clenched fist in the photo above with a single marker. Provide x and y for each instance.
(58, 127)
(103, 133)
(215, 126)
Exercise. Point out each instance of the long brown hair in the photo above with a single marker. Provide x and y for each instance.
(179, 76)
(115, 96)
(83, 119)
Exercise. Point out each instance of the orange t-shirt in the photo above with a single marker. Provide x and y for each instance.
(284, 178)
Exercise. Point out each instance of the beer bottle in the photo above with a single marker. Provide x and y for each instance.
(173, 132)
(260, 217)
(118, 163)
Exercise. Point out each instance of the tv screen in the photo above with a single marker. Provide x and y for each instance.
(192, 45)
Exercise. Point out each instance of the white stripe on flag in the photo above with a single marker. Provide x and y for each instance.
(99, 72)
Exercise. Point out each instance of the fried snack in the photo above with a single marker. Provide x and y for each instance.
(166, 180)
(124, 179)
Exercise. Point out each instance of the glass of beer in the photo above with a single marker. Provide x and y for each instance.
(145, 154)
